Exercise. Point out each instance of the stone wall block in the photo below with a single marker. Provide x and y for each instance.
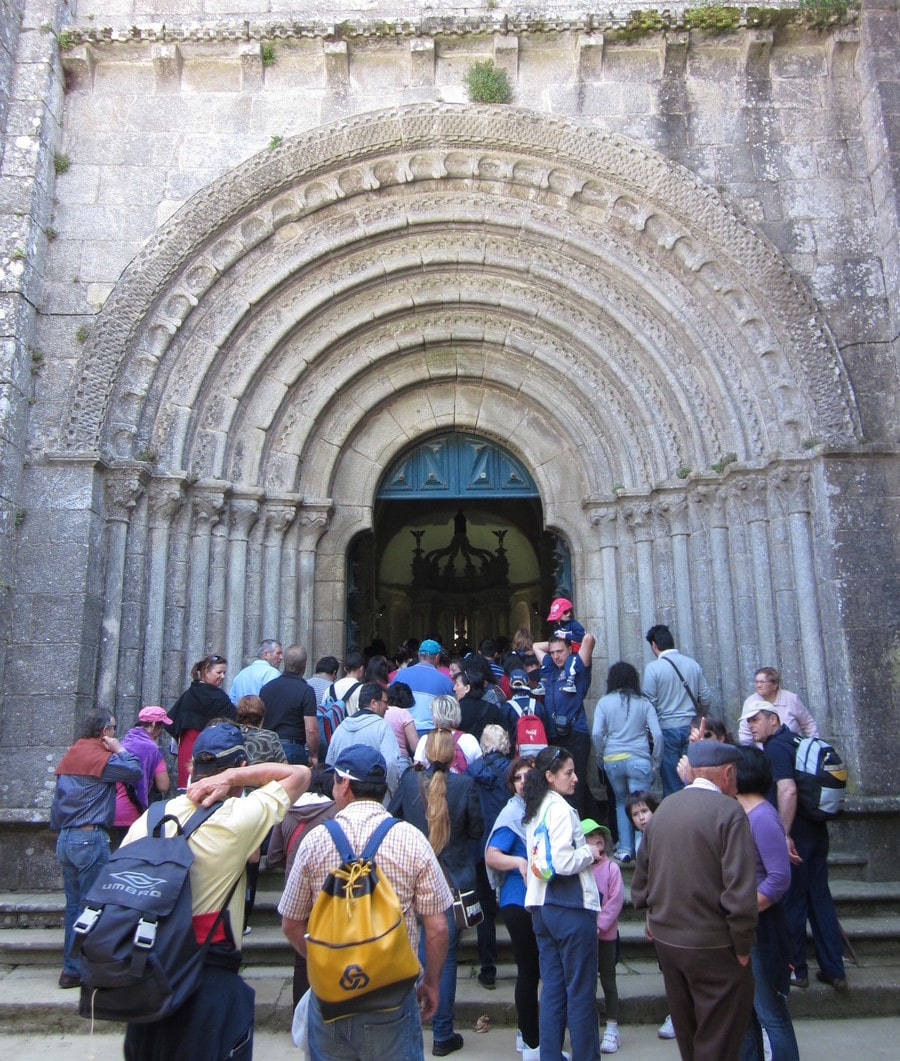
(506, 56)
(841, 50)
(252, 73)
(167, 67)
(337, 65)
(758, 53)
(421, 61)
(589, 57)
(675, 55)
(79, 65)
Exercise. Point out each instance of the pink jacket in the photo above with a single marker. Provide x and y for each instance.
(609, 883)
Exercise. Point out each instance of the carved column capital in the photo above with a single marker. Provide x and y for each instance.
(208, 500)
(750, 495)
(711, 505)
(243, 512)
(313, 517)
(674, 512)
(639, 520)
(123, 486)
(605, 517)
(165, 498)
(791, 490)
(278, 514)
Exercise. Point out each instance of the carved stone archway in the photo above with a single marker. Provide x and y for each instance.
(570, 295)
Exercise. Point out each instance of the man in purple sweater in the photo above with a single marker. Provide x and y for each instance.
(698, 853)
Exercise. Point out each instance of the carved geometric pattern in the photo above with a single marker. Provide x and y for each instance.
(496, 248)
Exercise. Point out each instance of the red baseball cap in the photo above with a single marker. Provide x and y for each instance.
(557, 608)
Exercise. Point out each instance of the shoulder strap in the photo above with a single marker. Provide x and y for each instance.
(375, 839)
(350, 692)
(687, 688)
(339, 838)
(199, 817)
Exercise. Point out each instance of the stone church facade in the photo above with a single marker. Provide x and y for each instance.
(252, 255)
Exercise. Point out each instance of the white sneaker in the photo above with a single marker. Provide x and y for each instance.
(520, 1042)
(610, 1043)
(767, 1046)
(666, 1030)
(531, 1053)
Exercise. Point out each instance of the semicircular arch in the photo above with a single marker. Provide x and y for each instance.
(331, 263)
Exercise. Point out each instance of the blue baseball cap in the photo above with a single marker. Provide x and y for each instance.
(359, 762)
(429, 648)
(222, 744)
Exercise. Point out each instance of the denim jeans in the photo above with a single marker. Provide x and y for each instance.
(810, 897)
(627, 775)
(394, 1034)
(296, 753)
(769, 1010)
(442, 1022)
(675, 744)
(567, 944)
(82, 853)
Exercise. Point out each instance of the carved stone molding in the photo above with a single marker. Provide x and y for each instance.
(605, 518)
(710, 505)
(652, 206)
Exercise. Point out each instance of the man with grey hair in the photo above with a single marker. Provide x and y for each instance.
(291, 709)
(698, 852)
(254, 676)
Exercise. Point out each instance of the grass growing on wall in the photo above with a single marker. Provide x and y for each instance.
(487, 83)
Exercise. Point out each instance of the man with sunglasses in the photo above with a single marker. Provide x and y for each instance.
(368, 727)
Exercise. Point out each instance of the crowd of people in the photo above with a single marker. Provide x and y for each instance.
(485, 757)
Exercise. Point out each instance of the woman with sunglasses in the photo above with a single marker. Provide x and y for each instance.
(506, 859)
(562, 897)
(202, 701)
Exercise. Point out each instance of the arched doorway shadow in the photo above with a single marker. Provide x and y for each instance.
(457, 551)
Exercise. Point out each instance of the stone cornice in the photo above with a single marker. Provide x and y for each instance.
(626, 25)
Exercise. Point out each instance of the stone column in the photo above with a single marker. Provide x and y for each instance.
(606, 519)
(751, 496)
(792, 491)
(165, 498)
(122, 488)
(676, 516)
(208, 501)
(639, 519)
(313, 519)
(715, 502)
(243, 513)
(278, 515)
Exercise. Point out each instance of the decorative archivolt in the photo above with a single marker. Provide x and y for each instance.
(681, 322)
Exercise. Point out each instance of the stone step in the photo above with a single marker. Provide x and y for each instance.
(31, 1001)
(871, 938)
(853, 898)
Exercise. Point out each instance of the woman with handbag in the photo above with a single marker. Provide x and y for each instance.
(446, 809)
(562, 897)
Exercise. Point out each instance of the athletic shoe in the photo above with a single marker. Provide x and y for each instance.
(610, 1043)
(539, 690)
(623, 856)
(799, 981)
(520, 1042)
(569, 687)
(66, 980)
(489, 983)
(666, 1030)
(448, 1046)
